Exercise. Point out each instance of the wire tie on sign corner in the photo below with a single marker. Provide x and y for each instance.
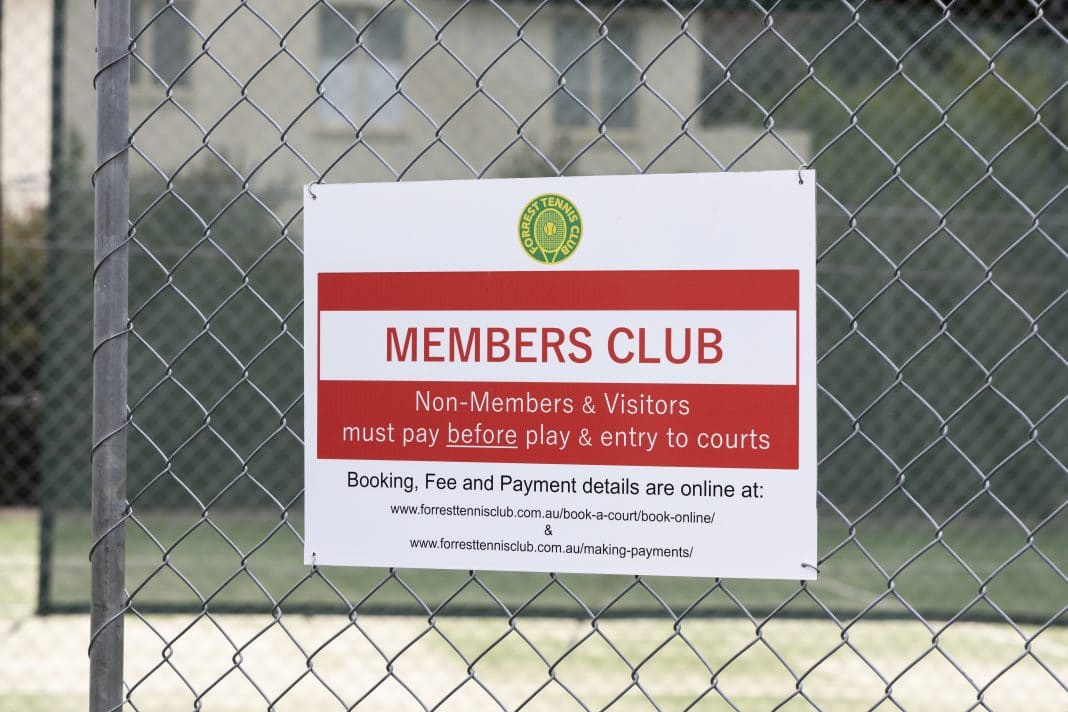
(800, 180)
(315, 556)
(308, 187)
(805, 565)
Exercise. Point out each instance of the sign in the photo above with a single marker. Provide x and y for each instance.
(609, 374)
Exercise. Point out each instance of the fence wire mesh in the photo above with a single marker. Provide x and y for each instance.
(938, 131)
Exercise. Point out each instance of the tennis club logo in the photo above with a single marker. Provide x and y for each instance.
(550, 228)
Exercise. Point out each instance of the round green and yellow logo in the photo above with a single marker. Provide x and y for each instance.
(550, 228)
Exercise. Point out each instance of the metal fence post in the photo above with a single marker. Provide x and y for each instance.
(110, 317)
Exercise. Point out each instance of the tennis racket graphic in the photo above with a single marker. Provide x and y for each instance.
(550, 231)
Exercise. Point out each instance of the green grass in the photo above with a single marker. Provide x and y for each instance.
(618, 663)
(18, 561)
(186, 561)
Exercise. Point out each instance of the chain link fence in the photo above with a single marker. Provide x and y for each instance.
(938, 132)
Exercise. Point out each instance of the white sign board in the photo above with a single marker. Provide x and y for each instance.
(609, 374)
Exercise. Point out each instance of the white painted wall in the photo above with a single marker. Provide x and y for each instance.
(25, 103)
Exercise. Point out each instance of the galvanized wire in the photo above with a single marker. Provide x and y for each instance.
(939, 135)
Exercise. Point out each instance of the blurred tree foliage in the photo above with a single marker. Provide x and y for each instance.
(199, 242)
(21, 274)
(22, 263)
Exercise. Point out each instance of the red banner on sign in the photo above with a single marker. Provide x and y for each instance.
(667, 424)
(582, 291)
(647, 424)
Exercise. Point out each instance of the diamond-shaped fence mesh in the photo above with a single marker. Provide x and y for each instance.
(938, 132)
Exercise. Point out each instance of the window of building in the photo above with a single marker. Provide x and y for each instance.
(366, 78)
(601, 78)
(166, 45)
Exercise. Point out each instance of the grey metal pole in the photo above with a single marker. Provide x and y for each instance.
(110, 316)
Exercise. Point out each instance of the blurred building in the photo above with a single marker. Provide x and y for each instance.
(25, 103)
(205, 73)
